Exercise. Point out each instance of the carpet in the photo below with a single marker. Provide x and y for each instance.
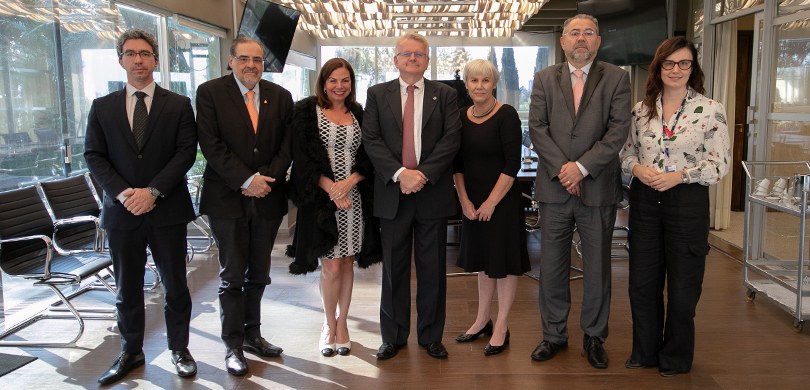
(9, 363)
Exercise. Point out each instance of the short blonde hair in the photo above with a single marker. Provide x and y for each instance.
(414, 37)
(482, 68)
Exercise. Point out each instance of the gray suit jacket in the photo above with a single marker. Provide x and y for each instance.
(593, 136)
(441, 137)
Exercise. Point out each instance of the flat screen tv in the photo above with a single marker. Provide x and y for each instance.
(274, 26)
(631, 30)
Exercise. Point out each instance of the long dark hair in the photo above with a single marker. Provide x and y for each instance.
(326, 70)
(654, 83)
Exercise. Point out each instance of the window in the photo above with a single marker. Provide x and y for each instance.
(43, 111)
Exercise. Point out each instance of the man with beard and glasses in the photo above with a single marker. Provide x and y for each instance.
(245, 140)
(579, 118)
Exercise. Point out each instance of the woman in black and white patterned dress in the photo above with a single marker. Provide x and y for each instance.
(334, 222)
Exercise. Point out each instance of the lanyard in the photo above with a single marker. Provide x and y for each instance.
(670, 134)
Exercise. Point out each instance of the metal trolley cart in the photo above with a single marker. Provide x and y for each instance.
(775, 236)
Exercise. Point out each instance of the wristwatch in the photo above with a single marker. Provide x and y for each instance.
(684, 177)
(154, 192)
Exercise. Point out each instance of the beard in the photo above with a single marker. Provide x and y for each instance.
(582, 55)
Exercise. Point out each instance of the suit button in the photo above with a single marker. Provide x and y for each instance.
(255, 150)
(140, 156)
(573, 136)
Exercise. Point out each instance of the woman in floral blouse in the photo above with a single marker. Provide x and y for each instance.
(678, 146)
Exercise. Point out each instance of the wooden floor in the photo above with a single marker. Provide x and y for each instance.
(740, 345)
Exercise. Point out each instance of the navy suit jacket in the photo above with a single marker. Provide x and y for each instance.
(234, 153)
(169, 150)
(441, 138)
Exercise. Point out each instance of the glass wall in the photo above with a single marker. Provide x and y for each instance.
(55, 61)
(373, 65)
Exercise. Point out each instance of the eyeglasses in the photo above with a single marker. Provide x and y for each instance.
(245, 59)
(144, 54)
(683, 64)
(408, 54)
(576, 33)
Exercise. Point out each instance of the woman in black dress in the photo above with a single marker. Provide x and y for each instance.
(493, 242)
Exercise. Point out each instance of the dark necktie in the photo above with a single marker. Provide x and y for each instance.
(408, 148)
(139, 119)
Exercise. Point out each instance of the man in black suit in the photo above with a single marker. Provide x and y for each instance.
(411, 132)
(243, 135)
(140, 143)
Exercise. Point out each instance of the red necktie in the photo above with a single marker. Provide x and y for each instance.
(408, 148)
(254, 116)
(579, 85)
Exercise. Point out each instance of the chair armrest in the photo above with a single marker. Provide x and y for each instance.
(47, 242)
(75, 220)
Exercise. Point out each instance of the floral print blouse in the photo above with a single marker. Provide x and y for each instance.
(699, 143)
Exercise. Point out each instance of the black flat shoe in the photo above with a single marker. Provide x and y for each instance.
(123, 364)
(667, 372)
(466, 337)
(546, 350)
(490, 349)
(632, 364)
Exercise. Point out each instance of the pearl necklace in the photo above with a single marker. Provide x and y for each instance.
(494, 103)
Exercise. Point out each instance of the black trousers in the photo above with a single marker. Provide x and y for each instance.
(668, 246)
(128, 250)
(424, 236)
(245, 245)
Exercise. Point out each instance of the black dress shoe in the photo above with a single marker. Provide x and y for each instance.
(122, 365)
(668, 372)
(630, 363)
(386, 351)
(184, 363)
(496, 349)
(235, 362)
(259, 346)
(596, 352)
(436, 349)
(546, 350)
(466, 337)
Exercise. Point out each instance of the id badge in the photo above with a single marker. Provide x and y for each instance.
(670, 168)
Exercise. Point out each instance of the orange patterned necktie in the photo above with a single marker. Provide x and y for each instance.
(254, 116)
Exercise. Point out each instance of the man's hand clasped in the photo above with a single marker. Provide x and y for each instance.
(259, 186)
(411, 181)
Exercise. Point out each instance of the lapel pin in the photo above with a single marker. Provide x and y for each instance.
(265, 102)
(434, 98)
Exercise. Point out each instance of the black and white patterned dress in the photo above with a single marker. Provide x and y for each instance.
(341, 143)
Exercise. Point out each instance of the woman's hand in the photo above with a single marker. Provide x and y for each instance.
(486, 210)
(340, 189)
(343, 203)
(645, 174)
(664, 181)
(468, 209)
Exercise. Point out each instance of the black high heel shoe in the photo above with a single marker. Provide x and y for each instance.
(494, 350)
(466, 337)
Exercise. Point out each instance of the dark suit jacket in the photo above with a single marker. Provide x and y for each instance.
(441, 137)
(169, 150)
(234, 153)
(593, 136)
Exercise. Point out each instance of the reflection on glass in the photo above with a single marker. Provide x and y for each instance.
(790, 93)
(696, 8)
(193, 58)
(787, 7)
(725, 7)
(788, 141)
(294, 79)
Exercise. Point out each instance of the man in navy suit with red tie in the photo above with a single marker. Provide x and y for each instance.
(140, 143)
(244, 137)
(411, 132)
